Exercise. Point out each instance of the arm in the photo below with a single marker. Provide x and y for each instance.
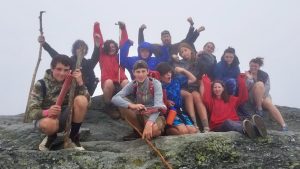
(124, 50)
(243, 91)
(141, 34)
(53, 53)
(35, 102)
(205, 89)
(158, 100)
(124, 35)
(189, 75)
(119, 99)
(98, 42)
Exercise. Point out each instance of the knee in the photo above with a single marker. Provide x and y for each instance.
(80, 101)
(108, 84)
(183, 130)
(124, 83)
(49, 126)
(259, 85)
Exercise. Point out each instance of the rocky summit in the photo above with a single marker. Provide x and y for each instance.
(102, 138)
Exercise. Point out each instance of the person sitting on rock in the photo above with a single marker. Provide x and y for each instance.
(113, 76)
(258, 83)
(207, 60)
(51, 118)
(223, 108)
(147, 93)
(182, 123)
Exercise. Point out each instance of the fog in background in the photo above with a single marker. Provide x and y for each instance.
(268, 29)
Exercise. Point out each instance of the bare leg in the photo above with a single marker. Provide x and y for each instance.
(124, 83)
(275, 113)
(201, 110)
(108, 90)
(258, 91)
(189, 105)
(49, 126)
(80, 109)
(131, 117)
(192, 129)
(177, 130)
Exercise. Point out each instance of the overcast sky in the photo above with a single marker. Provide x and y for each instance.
(269, 29)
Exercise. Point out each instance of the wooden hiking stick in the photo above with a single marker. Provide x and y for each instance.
(26, 117)
(67, 140)
(158, 153)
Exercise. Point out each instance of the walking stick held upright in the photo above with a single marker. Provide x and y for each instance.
(67, 140)
(26, 117)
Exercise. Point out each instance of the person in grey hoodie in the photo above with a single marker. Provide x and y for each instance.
(148, 95)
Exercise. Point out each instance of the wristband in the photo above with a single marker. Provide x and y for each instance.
(46, 113)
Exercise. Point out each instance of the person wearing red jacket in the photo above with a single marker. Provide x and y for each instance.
(222, 108)
(113, 76)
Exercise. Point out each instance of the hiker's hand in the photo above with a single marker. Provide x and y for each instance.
(143, 27)
(41, 39)
(147, 133)
(137, 107)
(54, 111)
(121, 25)
(78, 76)
(170, 103)
(179, 69)
(202, 28)
(130, 42)
(248, 75)
(97, 40)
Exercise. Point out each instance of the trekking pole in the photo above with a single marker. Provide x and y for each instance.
(67, 140)
(158, 153)
(26, 116)
(119, 59)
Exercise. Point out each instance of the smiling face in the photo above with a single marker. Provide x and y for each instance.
(186, 53)
(218, 89)
(112, 49)
(209, 48)
(254, 67)
(166, 78)
(60, 72)
(140, 74)
(166, 39)
(228, 57)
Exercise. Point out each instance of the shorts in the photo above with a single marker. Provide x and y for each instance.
(117, 86)
(182, 118)
(61, 121)
(160, 121)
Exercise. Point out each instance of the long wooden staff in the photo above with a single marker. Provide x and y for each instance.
(26, 117)
(67, 140)
(158, 153)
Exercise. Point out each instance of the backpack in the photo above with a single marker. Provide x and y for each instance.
(153, 75)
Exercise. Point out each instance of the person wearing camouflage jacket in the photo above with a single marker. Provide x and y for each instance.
(51, 118)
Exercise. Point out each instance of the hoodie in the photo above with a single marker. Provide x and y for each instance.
(128, 62)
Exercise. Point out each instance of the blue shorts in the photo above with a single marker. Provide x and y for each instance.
(182, 118)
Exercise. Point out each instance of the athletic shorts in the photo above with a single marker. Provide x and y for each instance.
(182, 118)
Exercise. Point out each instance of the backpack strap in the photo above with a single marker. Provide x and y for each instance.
(44, 89)
(151, 86)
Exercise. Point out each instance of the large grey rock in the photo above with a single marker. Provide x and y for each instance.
(101, 136)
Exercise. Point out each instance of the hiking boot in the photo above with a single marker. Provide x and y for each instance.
(74, 144)
(249, 129)
(132, 136)
(45, 145)
(259, 125)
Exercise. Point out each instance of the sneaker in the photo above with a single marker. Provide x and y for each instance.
(74, 144)
(284, 128)
(132, 136)
(190, 20)
(46, 143)
(259, 125)
(249, 129)
(261, 113)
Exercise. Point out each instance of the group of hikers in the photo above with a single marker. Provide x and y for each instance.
(169, 95)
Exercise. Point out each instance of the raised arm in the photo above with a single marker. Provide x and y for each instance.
(98, 42)
(189, 75)
(141, 34)
(124, 50)
(124, 35)
(205, 89)
(53, 53)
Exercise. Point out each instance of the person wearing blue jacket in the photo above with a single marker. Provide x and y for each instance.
(145, 51)
(227, 70)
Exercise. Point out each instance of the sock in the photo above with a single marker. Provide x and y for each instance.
(74, 130)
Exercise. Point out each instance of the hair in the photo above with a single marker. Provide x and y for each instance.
(63, 59)
(140, 64)
(231, 50)
(77, 44)
(258, 60)
(209, 43)
(106, 46)
(165, 32)
(163, 68)
(186, 45)
(224, 95)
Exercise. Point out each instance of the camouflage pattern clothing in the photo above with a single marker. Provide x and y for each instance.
(38, 102)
